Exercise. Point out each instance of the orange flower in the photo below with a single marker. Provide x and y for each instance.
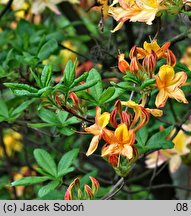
(101, 120)
(123, 65)
(120, 142)
(168, 84)
(148, 48)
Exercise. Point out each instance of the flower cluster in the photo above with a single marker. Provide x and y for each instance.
(119, 141)
(143, 65)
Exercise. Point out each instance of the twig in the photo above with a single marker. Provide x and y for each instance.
(159, 187)
(75, 52)
(75, 114)
(113, 191)
(6, 8)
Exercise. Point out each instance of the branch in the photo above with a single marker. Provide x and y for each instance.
(113, 191)
(6, 8)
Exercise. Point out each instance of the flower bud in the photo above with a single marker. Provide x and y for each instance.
(171, 58)
(134, 65)
(123, 65)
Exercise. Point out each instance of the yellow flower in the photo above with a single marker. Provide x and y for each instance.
(12, 141)
(172, 155)
(120, 142)
(168, 83)
(101, 120)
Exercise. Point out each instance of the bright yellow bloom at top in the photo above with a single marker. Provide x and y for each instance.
(101, 120)
(12, 141)
(168, 83)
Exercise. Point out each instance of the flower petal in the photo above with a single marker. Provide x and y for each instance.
(175, 163)
(103, 120)
(161, 98)
(93, 145)
(178, 94)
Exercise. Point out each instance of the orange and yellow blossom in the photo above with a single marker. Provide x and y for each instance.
(120, 142)
(134, 10)
(168, 83)
(181, 142)
(152, 46)
(101, 120)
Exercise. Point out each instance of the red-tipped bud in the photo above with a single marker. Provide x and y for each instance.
(88, 191)
(134, 65)
(123, 65)
(149, 63)
(171, 58)
(126, 118)
(75, 99)
(68, 195)
(95, 184)
(113, 115)
(57, 99)
(133, 52)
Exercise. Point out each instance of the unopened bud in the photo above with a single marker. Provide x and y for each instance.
(123, 65)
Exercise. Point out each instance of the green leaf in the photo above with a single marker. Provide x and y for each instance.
(72, 120)
(117, 93)
(4, 109)
(85, 85)
(79, 79)
(24, 93)
(17, 86)
(62, 116)
(21, 107)
(95, 90)
(46, 75)
(30, 180)
(45, 161)
(48, 116)
(147, 83)
(158, 140)
(67, 131)
(47, 188)
(66, 161)
(107, 94)
(182, 67)
(69, 73)
(126, 86)
(69, 170)
(37, 79)
(142, 136)
(40, 125)
(47, 49)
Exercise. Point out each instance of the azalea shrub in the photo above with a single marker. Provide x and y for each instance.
(95, 99)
